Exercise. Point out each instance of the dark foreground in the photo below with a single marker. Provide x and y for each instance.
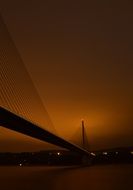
(108, 177)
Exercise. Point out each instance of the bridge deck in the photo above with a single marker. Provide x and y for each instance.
(16, 123)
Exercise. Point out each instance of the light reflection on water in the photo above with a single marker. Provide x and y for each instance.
(109, 177)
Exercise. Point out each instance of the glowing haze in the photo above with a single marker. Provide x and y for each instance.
(80, 58)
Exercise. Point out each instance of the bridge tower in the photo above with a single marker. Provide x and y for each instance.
(83, 134)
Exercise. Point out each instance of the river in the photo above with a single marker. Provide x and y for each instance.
(106, 177)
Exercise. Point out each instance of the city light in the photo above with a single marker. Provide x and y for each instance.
(105, 153)
(93, 154)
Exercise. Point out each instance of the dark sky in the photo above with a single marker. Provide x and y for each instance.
(80, 56)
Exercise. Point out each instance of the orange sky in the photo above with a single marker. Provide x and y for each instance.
(80, 59)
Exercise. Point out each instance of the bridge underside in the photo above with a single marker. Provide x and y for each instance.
(16, 123)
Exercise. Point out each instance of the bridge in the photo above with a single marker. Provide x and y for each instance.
(16, 123)
(21, 108)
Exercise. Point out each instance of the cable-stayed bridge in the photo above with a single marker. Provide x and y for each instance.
(21, 108)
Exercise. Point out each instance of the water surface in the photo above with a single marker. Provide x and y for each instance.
(110, 177)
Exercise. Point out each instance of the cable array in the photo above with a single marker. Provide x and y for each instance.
(17, 91)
